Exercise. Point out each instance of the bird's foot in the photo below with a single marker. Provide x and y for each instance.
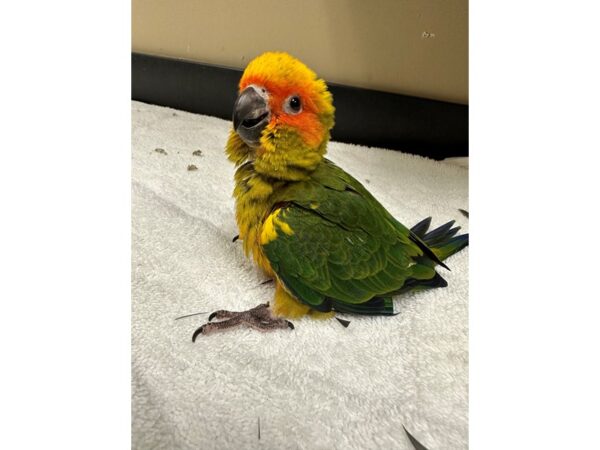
(259, 318)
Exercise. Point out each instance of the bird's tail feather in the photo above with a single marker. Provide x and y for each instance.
(377, 306)
(442, 240)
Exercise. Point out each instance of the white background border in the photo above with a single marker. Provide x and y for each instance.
(65, 226)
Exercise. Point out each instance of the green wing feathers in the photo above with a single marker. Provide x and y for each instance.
(346, 252)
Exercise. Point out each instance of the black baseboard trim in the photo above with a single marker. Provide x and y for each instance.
(380, 119)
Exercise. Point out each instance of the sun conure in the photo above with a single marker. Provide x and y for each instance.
(325, 240)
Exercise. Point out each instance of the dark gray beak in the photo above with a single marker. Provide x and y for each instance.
(251, 115)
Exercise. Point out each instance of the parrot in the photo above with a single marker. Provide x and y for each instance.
(326, 242)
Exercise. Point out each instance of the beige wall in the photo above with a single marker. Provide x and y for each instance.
(415, 47)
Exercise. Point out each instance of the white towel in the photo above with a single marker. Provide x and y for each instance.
(320, 386)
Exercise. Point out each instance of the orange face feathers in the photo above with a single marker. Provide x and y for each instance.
(284, 77)
(281, 118)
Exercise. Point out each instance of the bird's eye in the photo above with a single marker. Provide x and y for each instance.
(293, 105)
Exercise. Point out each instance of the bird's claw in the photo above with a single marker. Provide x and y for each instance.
(258, 317)
(197, 332)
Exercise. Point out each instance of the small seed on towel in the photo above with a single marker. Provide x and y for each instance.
(192, 167)
(160, 150)
(197, 153)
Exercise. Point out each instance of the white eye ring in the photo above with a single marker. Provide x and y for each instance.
(293, 104)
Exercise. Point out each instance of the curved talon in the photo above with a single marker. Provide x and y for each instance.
(197, 332)
(222, 314)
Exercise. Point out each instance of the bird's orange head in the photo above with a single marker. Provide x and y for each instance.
(282, 117)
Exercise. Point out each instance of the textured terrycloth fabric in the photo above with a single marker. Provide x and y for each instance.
(320, 386)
